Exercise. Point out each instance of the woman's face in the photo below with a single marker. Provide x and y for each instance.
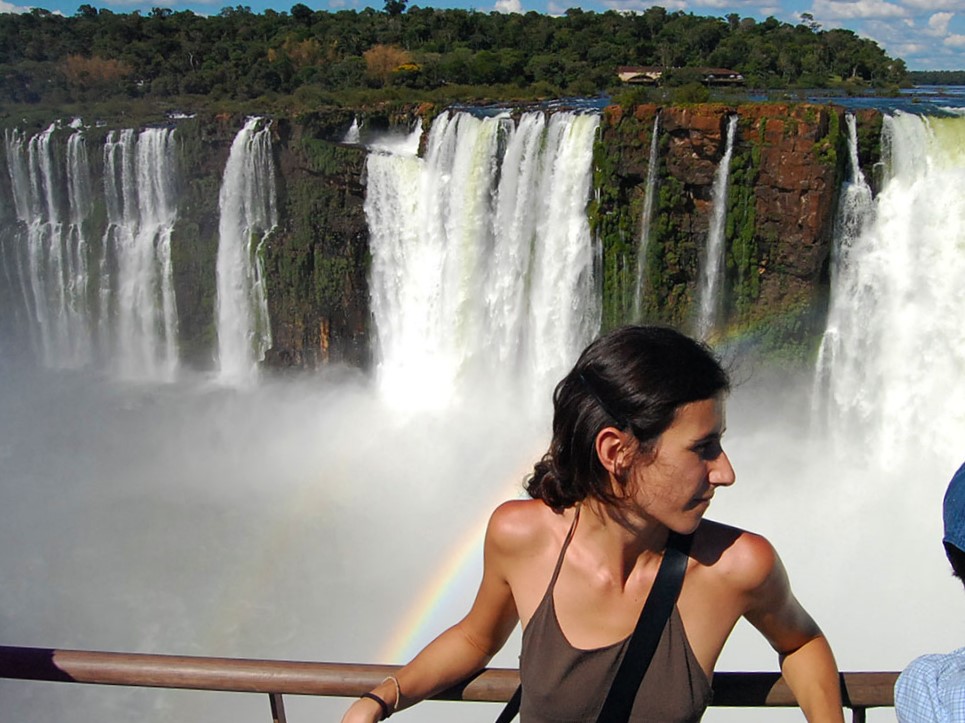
(673, 484)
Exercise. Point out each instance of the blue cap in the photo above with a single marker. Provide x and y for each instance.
(953, 510)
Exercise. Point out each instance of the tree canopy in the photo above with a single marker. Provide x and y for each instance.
(238, 54)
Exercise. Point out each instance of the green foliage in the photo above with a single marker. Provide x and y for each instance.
(323, 157)
(671, 261)
(830, 149)
(936, 77)
(743, 258)
(690, 93)
(241, 55)
(869, 144)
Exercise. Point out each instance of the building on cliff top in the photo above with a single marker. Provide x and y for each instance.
(651, 75)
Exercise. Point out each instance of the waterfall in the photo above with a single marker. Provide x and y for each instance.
(404, 143)
(855, 209)
(43, 252)
(248, 215)
(26, 210)
(137, 288)
(646, 217)
(482, 260)
(77, 278)
(895, 345)
(712, 275)
(49, 251)
(352, 134)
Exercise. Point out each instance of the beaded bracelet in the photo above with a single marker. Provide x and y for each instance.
(382, 704)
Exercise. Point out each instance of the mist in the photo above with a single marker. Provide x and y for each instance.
(304, 519)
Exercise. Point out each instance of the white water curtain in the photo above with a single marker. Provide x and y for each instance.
(482, 258)
(894, 350)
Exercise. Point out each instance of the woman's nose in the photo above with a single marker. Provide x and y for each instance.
(721, 471)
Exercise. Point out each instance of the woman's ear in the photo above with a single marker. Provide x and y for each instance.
(612, 450)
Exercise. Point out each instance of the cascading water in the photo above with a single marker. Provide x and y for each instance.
(646, 218)
(482, 260)
(137, 290)
(77, 277)
(50, 251)
(712, 273)
(895, 343)
(248, 215)
(20, 242)
(856, 209)
(352, 135)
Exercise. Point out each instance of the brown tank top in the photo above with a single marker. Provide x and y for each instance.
(563, 684)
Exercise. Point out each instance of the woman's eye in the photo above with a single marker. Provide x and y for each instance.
(709, 450)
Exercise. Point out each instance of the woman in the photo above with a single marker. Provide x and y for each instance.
(636, 453)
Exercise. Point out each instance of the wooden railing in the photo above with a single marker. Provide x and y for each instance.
(276, 678)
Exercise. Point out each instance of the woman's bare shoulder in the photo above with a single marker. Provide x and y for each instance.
(745, 560)
(522, 527)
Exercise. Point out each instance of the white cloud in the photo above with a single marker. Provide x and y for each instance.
(643, 5)
(6, 7)
(955, 41)
(938, 23)
(508, 6)
(913, 48)
(935, 4)
(140, 4)
(856, 9)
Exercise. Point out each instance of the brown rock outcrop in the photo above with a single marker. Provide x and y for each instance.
(785, 172)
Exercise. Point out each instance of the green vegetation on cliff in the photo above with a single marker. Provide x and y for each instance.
(786, 168)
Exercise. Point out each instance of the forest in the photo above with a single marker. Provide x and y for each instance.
(937, 77)
(305, 57)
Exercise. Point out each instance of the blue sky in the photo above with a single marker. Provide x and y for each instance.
(927, 34)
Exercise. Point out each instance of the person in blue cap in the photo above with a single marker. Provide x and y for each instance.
(932, 687)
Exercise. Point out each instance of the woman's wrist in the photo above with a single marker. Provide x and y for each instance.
(387, 695)
(384, 710)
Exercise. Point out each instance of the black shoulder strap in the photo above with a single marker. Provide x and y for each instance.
(650, 625)
(512, 707)
(653, 618)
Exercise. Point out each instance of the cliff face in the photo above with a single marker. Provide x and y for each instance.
(787, 164)
(316, 261)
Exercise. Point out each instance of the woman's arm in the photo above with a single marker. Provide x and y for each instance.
(461, 650)
(807, 662)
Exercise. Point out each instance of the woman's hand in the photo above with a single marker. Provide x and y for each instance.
(364, 710)
(457, 653)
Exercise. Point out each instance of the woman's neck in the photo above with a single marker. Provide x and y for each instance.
(622, 539)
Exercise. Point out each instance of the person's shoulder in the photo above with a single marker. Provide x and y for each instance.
(744, 559)
(518, 526)
(936, 665)
(930, 684)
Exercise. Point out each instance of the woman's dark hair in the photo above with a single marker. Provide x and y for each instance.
(633, 378)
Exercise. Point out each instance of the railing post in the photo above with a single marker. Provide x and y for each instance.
(858, 715)
(277, 708)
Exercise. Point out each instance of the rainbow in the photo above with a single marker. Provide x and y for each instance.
(422, 618)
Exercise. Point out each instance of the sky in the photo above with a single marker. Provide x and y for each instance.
(926, 34)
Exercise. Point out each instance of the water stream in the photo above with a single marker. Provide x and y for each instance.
(712, 270)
